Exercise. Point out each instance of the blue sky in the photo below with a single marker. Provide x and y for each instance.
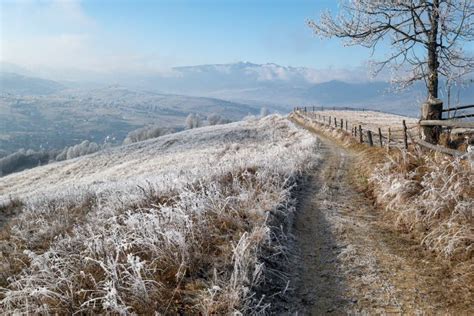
(153, 36)
(198, 32)
(145, 34)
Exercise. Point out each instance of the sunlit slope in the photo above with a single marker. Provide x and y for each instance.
(173, 157)
(173, 225)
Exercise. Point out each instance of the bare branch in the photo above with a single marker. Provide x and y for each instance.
(425, 36)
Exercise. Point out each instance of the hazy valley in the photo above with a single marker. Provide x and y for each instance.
(62, 117)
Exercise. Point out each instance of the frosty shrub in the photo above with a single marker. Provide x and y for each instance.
(145, 133)
(175, 225)
(84, 148)
(193, 121)
(214, 119)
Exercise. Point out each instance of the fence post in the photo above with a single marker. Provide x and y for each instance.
(388, 139)
(361, 140)
(335, 122)
(329, 120)
(380, 137)
(346, 126)
(369, 137)
(431, 110)
(342, 124)
(405, 136)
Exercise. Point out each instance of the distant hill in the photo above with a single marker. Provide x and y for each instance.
(14, 68)
(160, 103)
(24, 85)
(56, 120)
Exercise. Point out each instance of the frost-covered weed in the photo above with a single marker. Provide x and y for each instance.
(173, 225)
(433, 196)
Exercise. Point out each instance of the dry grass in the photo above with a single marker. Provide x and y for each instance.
(158, 246)
(152, 257)
(431, 196)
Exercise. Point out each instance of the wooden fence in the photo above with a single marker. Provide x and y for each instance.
(459, 112)
(390, 137)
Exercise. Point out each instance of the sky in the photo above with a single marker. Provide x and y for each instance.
(145, 35)
(152, 36)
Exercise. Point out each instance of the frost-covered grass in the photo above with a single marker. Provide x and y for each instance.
(432, 196)
(170, 225)
(428, 195)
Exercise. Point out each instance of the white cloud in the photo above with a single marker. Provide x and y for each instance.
(356, 74)
(58, 34)
(272, 72)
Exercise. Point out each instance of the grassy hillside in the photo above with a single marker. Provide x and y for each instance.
(174, 225)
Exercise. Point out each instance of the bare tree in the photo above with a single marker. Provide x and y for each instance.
(425, 37)
(193, 121)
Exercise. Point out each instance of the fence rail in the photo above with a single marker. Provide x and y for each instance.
(458, 108)
(447, 123)
(456, 115)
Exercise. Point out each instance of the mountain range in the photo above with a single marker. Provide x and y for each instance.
(277, 87)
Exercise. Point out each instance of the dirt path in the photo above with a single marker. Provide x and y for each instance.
(350, 262)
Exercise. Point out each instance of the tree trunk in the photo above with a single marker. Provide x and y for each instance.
(432, 108)
(433, 63)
